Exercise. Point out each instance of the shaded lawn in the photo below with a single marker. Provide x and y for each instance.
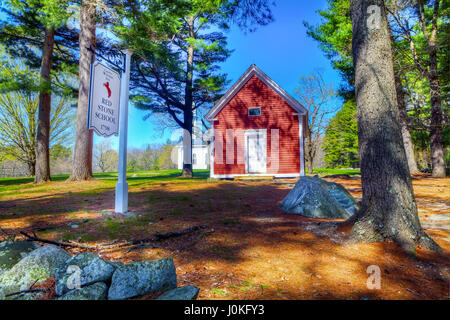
(250, 250)
(328, 171)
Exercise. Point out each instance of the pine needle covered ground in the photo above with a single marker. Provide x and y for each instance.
(250, 248)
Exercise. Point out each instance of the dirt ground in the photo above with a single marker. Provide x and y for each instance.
(250, 248)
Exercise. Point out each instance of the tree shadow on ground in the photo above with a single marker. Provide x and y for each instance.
(252, 238)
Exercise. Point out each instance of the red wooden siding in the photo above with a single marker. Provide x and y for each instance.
(275, 114)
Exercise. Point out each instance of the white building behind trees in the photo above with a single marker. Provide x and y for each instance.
(200, 154)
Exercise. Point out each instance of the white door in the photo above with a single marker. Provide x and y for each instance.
(256, 152)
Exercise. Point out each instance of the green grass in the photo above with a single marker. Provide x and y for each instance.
(153, 197)
(223, 251)
(70, 236)
(219, 292)
(113, 229)
(329, 171)
(230, 220)
(179, 198)
(18, 183)
(174, 212)
(237, 287)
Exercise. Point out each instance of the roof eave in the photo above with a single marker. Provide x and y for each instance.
(251, 71)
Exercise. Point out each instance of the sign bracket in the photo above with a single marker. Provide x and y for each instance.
(122, 67)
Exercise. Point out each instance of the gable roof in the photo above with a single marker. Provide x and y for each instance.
(253, 71)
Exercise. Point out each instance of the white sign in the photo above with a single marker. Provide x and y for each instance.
(104, 100)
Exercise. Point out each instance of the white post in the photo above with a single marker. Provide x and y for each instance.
(122, 185)
(211, 152)
(301, 138)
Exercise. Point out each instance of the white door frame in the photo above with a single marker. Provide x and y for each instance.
(262, 133)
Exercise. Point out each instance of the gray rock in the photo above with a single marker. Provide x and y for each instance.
(343, 197)
(27, 296)
(181, 293)
(12, 252)
(36, 267)
(96, 291)
(91, 269)
(139, 278)
(317, 198)
(115, 264)
(339, 193)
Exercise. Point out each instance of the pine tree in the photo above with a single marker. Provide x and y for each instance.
(32, 32)
(341, 138)
(91, 12)
(176, 54)
(334, 35)
(388, 209)
(426, 16)
(82, 160)
(176, 75)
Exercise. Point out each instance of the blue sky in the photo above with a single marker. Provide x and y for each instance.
(281, 49)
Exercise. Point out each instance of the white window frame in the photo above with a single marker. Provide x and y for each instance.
(253, 115)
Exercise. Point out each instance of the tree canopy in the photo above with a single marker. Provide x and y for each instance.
(411, 62)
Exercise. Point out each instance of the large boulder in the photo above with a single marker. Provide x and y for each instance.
(36, 267)
(340, 194)
(12, 252)
(91, 269)
(139, 278)
(96, 291)
(181, 293)
(317, 198)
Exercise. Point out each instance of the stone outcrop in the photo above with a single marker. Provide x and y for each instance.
(318, 198)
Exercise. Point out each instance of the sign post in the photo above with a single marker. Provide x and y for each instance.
(108, 112)
(121, 205)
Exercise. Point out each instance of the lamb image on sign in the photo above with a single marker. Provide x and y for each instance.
(104, 100)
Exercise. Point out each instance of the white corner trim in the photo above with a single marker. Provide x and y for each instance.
(211, 154)
(300, 135)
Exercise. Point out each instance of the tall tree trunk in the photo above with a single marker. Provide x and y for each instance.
(188, 103)
(31, 168)
(45, 96)
(388, 209)
(437, 150)
(309, 154)
(403, 116)
(82, 160)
